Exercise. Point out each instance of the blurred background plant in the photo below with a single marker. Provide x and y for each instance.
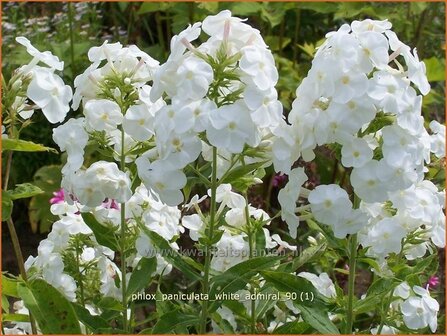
(292, 30)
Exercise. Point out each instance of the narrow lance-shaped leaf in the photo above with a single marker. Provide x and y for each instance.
(6, 205)
(172, 320)
(52, 311)
(25, 190)
(312, 311)
(237, 277)
(141, 275)
(103, 235)
(171, 255)
(24, 146)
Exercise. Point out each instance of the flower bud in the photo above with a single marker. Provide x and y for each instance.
(312, 240)
(17, 85)
(117, 93)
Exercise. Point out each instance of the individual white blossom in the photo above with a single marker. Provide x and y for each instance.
(50, 94)
(321, 282)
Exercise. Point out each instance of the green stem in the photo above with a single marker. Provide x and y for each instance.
(8, 170)
(210, 235)
(123, 242)
(15, 240)
(161, 39)
(78, 266)
(70, 23)
(17, 250)
(352, 253)
(351, 283)
(295, 37)
(251, 250)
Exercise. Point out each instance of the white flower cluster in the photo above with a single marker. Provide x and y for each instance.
(51, 261)
(220, 93)
(359, 96)
(418, 308)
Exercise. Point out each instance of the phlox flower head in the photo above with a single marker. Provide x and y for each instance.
(420, 310)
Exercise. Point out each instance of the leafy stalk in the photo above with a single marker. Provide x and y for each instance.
(352, 245)
(70, 24)
(351, 283)
(10, 223)
(123, 241)
(250, 256)
(389, 298)
(208, 254)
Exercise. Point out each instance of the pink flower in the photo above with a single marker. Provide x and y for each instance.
(59, 197)
(110, 204)
(433, 281)
(278, 180)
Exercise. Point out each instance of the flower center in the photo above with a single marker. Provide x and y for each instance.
(160, 186)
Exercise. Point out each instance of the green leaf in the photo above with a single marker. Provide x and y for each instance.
(171, 255)
(15, 317)
(92, 322)
(237, 277)
(52, 311)
(241, 172)
(273, 13)
(380, 286)
(289, 283)
(172, 320)
(150, 7)
(374, 296)
(47, 178)
(210, 7)
(246, 8)
(9, 286)
(435, 69)
(103, 235)
(309, 254)
(262, 306)
(141, 275)
(294, 327)
(109, 303)
(351, 9)
(273, 42)
(308, 48)
(318, 319)
(427, 265)
(24, 146)
(381, 120)
(5, 304)
(312, 311)
(6, 205)
(25, 190)
(319, 7)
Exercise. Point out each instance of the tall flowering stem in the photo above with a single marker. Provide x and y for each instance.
(123, 240)
(9, 221)
(208, 252)
(352, 245)
(351, 283)
(251, 250)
